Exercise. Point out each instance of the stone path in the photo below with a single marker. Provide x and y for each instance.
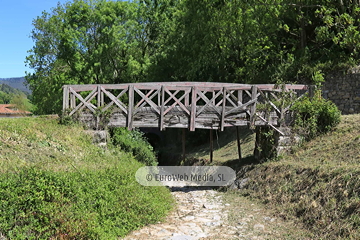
(198, 215)
(203, 214)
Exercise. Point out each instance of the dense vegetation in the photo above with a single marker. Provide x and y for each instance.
(318, 183)
(134, 142)
(102, 41)
(56, 184)
(9, 95)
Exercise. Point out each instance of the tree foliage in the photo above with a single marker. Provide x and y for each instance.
(262, 41)
(85, 42)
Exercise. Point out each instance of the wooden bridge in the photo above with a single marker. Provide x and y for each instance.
(191, 105)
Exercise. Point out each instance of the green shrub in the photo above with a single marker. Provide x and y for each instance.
(135, 143)
(315, 116)
(56, 184)
(97, 204)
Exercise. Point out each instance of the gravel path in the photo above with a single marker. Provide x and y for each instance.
(203, 214)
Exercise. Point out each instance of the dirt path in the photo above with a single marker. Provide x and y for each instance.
(204, 214)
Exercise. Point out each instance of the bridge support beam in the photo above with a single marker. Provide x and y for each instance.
(238, 142)
(211, 145)
(183, 142)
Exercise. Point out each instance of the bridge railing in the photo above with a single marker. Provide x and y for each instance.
(183, 104)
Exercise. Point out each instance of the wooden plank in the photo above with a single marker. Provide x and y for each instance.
(162, 107)
(177, 102)
(150, 95)
(240, 97)
(274, 96)
(268, 100)
(149, 101)
(241, 107)
(130, 107)
(229, 95)
(212, 114)
(187, 97)
(193, 108)
(248, 93)
(72, 101)
(115, 100)
(102, 103)
(270, 124)
(65, 97)
(208, 102)
(84, 102)
(82, 88)
(223, 109)
(253, 107)
(171, 95)
(98, 103)
(201, 85)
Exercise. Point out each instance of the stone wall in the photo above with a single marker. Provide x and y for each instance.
(344, 91)
(270, 143)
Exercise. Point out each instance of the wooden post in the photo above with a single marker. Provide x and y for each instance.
(72, 101)
(183, 144)
(98, 105)
(240, 97)
(211, 145)
(130, 107)
(222, 121)
(102, 103)
(187, 99)
(253, 107)
(65, 98)
(238, 142)
(193, 108)
(162, 108)
(98, 96)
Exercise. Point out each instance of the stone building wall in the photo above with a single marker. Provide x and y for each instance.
(344, 91)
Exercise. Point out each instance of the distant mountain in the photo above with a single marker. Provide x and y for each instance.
(10, 90)
(18, 83)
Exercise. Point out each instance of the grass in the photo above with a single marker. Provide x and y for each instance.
(225, 147)
(317, 184)
(55, 184)
(246, 212)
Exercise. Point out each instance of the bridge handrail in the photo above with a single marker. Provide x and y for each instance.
(199, 85)
(225, 99)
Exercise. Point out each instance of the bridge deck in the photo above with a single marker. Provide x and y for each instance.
(176, 118)
(181, 105)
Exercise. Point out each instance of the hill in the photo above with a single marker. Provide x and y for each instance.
(11, 90)
(318, 184)
(56, 184)
(18, 83)
(10, 95)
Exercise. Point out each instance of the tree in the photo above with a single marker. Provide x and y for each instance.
(4, 98)
(228, 41)
(339, 31)
(21, 102)
(253, 41)
(85, 42)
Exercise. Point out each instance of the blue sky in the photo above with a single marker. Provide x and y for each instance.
(15, 26)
